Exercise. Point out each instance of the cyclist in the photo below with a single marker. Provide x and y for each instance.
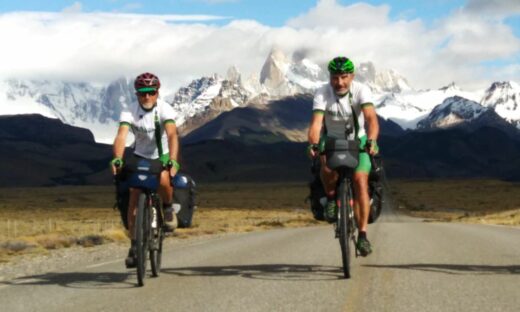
(143, 119)
(340, 104)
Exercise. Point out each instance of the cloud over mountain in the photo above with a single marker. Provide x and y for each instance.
(99, 47)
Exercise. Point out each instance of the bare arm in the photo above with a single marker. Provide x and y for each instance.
(373, 124)
(173, 143)
(314, 133)
(118, 149)
(120, 141)
(315, 127)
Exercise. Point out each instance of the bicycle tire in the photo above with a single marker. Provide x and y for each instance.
(156, 255)
(343, 228)
(156, 243)
(141, 236)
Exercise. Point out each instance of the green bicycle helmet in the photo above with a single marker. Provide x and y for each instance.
(340, 65)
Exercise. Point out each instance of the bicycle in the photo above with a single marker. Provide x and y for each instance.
(343, 156)
(149, 221)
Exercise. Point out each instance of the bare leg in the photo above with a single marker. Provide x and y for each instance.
(362, 200)
(329, 178)
(165, 188)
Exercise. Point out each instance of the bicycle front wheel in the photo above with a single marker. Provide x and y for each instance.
(157, 237)
(142, 230)
(343, 228)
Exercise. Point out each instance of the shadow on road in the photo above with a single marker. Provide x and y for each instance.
(285, 272)
(104, 280)
(454, 268)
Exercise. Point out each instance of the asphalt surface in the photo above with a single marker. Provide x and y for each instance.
(416, 266)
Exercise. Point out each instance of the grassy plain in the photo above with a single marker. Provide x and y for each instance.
(36, 220)
(471, 201)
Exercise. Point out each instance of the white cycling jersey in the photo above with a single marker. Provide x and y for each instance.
(142, 124)
(338, 110)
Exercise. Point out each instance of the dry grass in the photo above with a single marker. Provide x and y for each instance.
(36, 220)
(474, 201)
(225, 220)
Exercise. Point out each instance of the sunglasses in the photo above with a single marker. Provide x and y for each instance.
(150, 93)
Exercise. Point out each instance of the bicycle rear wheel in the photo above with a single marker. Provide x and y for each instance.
(156, 242)
(343, 228)
(142, 230)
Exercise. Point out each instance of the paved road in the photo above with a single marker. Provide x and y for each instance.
(416, 266)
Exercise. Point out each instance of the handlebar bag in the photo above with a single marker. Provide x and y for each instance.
(342, 153)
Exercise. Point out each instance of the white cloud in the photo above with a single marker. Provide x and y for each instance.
(99, 47)
(474, 40)
(329, 14)
(501, 8)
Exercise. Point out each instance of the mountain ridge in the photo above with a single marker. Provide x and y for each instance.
(64, 155)
(98, 107)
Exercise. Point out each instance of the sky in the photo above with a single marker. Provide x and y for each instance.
(432, 43)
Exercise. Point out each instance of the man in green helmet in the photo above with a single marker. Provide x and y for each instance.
(340, 104)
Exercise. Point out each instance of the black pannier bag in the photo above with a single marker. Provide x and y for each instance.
(122, 198)
(376, 189)
(184, 199)
(317, 197)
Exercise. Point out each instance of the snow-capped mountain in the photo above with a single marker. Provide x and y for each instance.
(452, 112)
(207, 97)
(381, 81)
(196, 97)
(98, 107)
(79, 104)
(406, 108)
(280, 77)
(504, 98)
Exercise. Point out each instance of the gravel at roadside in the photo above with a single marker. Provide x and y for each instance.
(77, 256)
(60, 259)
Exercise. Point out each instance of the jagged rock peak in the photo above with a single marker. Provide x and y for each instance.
(273, 71)
(503, 85)
(381, 81)
(233, 74)
(451, 87)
